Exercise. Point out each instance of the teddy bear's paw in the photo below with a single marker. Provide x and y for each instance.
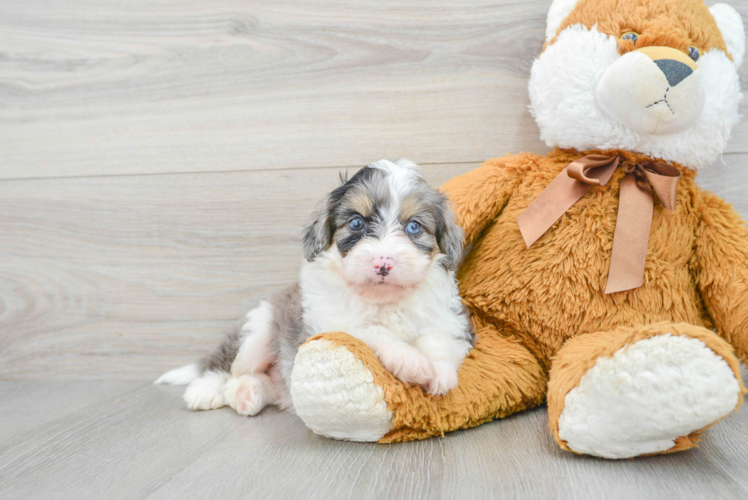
(206, 392)
(647, 395)
(246, 395)
(335, 395)
(444, 380)
(407, 363)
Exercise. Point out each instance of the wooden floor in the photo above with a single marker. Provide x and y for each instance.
(158, 159)
(135, 440)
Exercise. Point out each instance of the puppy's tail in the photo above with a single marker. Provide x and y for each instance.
(180, 376)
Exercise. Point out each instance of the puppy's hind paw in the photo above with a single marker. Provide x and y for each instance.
(246, 395)
(206, 392)
(445, 379)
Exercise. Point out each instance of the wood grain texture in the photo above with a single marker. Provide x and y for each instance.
(728, 178)
(26, 408)
(129, 87)
(180, 86)
(121, 278)
(141, 443)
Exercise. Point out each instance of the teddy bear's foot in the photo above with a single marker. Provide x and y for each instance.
(653, 394)
(335, 394)
(341, 389)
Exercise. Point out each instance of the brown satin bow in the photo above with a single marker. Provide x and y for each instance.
(635, 209)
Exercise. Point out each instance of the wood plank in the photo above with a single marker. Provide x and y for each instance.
(727, 445)
(285, 460)
(29, 406)
(518, 458)
(146, 445)
(728, 178)
(116, 451)
(183, 86)
(121, 278)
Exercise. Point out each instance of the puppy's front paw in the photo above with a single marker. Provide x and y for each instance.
(206, 392)
(445, 379)
(406, 363)
(246, 395)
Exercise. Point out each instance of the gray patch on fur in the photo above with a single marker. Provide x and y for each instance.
(221, 358)
(286, 329)
(469, 333)
(449, 235)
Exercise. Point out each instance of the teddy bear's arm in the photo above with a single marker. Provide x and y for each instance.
(722, 270)
(478, 196)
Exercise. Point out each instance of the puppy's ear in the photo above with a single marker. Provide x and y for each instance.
(449, 236)
(317, 237)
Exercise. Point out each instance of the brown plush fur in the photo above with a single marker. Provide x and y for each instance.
(679, 24)
(552, 291)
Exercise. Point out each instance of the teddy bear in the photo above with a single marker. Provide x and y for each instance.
(600, 278)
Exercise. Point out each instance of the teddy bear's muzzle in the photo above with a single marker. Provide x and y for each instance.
(652, 90)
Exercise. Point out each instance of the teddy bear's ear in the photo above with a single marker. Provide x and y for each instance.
(560, 10)
(733, 32)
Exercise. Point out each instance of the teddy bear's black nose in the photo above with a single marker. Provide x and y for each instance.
(674, 71)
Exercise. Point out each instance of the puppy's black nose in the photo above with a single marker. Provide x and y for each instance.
(383, 265)
(674, 71)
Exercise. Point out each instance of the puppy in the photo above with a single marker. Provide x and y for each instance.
(379, 265)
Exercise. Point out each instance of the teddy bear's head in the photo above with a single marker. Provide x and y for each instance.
(657, 77)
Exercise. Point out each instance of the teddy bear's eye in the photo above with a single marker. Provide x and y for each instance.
(694, 53)
(630, 36)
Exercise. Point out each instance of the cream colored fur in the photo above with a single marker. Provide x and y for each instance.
(731, 25)
(335, 394)
(647, 395)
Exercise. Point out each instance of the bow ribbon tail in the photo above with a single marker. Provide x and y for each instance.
(635, 210)
(631, 236)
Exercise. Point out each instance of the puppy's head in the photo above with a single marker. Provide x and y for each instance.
(383, 230)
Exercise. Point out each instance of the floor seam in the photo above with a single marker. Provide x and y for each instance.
(226, 171)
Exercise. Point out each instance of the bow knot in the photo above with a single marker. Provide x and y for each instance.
(638, 170)
(635, 209)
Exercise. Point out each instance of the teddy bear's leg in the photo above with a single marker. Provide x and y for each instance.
(641, 390)
(341, 390)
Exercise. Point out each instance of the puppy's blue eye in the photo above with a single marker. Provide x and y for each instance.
(413, 227)
(357, 224)
(630, 36)
(694, 53)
